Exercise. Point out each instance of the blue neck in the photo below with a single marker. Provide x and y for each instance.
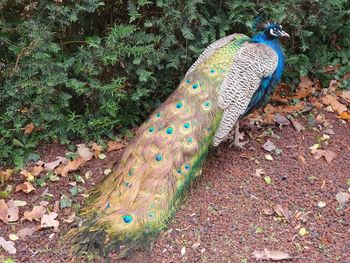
(262, 94)
(275, 45)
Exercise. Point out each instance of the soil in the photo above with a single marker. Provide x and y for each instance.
(231, 210)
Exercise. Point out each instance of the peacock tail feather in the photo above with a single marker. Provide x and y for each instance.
(138, 198)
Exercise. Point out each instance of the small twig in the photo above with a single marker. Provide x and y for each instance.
(74, 42)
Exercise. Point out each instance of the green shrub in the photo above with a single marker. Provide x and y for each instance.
(89, 68)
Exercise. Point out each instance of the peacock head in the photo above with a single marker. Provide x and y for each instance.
(274, 31)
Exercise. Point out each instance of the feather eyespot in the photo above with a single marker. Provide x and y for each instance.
(169, 130)
(158, 114)
(151, 129)
(159, 157)
(127, 219)
(207, 105)
(179, 105)
(188, 81)
(187, 125)
(187, 166)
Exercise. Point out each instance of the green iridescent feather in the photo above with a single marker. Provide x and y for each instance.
(138, 198)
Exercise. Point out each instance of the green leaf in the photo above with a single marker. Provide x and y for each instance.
(65, 202)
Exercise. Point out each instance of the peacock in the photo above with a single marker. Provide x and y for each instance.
(233, 76)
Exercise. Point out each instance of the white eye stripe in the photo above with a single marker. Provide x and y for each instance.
(273, 32)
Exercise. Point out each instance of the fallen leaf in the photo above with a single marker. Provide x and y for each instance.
(283, 212)
(13, 237)
(29, 128)
(267, 179)
(302, 231)
(27, 232)
(297, 125)
(271, 255)
(196, 245)
(281, 120)
(107, 171)
(345, 95)
(36, 213)
(37, 170)
(183, 251)
(344, 115)
(84, 152)
(268, 157)
(102, 156)
(342, 198)
(305, 88)
(12, 211)
(71, 166)
(115, 145)
(259, 172)
(97, 149)
(52, 165)
(20, 203)
(321, 204)
(328, 155)
(5, 175)
(336, 105)
(48, 221)
(269, 146)
(315, 146)
(65, 202)
(4, 211)
(8, 246)
(70, 219)
(28, 176)
(26, 187)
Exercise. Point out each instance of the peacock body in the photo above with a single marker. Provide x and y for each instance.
(230, 78)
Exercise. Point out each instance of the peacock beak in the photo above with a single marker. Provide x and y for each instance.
(285, 34)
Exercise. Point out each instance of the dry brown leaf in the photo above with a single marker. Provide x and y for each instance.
(52, 165)
(49, 220)
(36, 213)
(345, 95)
(283, 212)
(84, 152)
(37, 170)
(336, 105)
(344, 115)
(297, 125)
(27, 232)
(70, 219)
(328, 155)
(4, 211)
(271, 255)
(5, 175)
(12, 211)
(115, 145)
(342, 198)
(8, 246)
(29, 128)
(97, 149)
(71, 166)
(26, 187)
(269, 146)
(305, 88)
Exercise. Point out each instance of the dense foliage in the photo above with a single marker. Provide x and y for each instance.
(88, 68)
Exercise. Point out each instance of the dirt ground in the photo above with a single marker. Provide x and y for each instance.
(234, 208)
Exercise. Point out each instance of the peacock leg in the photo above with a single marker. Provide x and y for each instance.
(237, 137)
